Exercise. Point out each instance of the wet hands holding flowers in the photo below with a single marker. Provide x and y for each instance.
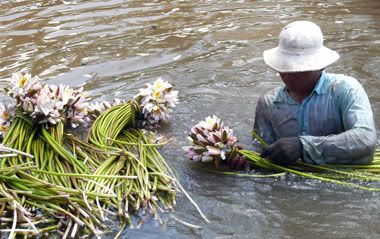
(284, 151)
(213, 142)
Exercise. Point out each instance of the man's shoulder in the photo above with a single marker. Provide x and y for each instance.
(341, 82)
(270, 96)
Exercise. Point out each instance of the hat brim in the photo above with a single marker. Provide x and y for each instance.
(285, 62)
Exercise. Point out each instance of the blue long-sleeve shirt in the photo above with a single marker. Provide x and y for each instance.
(335, 122)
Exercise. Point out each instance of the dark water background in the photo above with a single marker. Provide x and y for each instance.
(211, 51)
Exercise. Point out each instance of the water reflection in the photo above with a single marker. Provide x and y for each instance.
(211, 51)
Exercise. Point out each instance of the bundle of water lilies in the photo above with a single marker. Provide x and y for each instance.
(213, 142)
(54, 181)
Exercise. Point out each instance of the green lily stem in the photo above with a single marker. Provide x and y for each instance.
(85, 175)
(254, 158)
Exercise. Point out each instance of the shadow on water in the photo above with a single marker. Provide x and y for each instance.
(211, 52)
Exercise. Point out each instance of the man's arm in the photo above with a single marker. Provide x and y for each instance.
(354, 146)
(262, 125)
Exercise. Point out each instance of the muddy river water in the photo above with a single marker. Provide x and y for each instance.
(211, 51)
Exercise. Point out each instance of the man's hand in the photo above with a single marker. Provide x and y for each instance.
(284, 151)
(238, 162)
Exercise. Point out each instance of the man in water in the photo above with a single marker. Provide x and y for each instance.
(318, 117)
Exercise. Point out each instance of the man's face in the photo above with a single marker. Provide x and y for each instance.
(296, 81)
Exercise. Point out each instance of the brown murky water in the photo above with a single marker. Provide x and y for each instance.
(211, 51)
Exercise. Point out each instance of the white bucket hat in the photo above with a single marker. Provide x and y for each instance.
(300, 49)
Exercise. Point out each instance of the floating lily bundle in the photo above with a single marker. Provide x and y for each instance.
(136, 153)
(69, 186)
(41, 113)
(211, 142)
(206, 146)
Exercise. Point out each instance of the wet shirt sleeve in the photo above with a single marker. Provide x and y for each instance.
(358, 141)
(262, 125)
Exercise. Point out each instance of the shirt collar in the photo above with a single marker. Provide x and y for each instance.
(319, 87)
(282, 94)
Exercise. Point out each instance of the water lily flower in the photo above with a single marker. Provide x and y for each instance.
(171, 98)
(66, 94)
(95, 109)
(210, 123)
(3, 130)
(21, 84)
(156, 101)
(43, 105)
(210, 141)
(79, 115)
(160, 85)
(6, 114)
(6, 117)
(28, 104)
